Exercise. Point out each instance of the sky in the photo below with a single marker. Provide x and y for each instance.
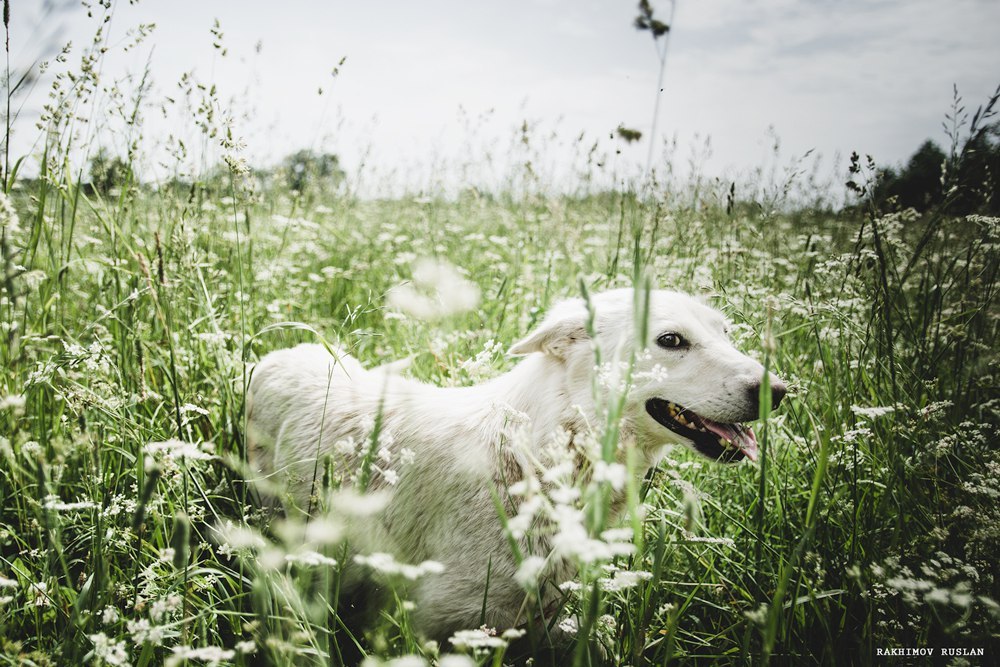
(427, 86)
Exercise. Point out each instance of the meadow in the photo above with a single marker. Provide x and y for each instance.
(129, 313)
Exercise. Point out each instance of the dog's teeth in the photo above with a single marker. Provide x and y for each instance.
(682, 420)
(728, 444)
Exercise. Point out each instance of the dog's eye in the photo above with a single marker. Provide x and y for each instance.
(671, 340)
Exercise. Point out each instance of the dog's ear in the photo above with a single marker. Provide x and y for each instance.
(565, 325)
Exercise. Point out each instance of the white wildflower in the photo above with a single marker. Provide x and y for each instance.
(8, 216)
(210, 655)
(655, 374)
(759, 615)
(572, 538)
(613, 376)
(211, 337)
(324, 530)
(569, 626)
(617, 535)
(614, 474)
(39, 594)
(108, 650)
(31, 449)
(524, 487)
(561, 471)
(163, 607)
(666, 608)
(13, 404)
(246, 647)
(565, 495)
(345, 447)
(143, 631)
(437, 290)
(482, 363)
(109, 615)
(407, 661)
(271, 558)
(386, 438)
(385, 564)
(872, 412)
(510, 414)
(52, 502)
(367, 423)
(623, 579)
(481, 638)
(239, 537)
(456, 660)
(191, 407)
(528, 572)
(519, 524)
(311, 558)
(725, 541)
(354, 504)
(176, 449)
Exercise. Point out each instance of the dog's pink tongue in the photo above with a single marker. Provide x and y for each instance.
(742, 436)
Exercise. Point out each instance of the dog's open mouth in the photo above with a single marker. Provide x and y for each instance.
(722, 442)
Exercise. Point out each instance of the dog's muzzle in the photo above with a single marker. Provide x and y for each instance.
(728, 443)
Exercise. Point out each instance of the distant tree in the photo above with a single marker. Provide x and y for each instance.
(968, 181)
(107, 172)
(918, 184)
(305, 167)
(977, 174)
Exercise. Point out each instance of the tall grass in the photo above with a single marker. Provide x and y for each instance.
(127, 316)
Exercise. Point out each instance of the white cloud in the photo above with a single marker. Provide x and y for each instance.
(871, 76)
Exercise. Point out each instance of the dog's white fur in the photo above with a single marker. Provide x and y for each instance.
(303, 400)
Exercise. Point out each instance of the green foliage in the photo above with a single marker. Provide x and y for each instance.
(918, 185)
(306, 169)
(628, 134)
(964, 181)
(646, 20)
(873, 517)
(109, 172)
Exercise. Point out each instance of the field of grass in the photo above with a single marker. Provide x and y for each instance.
(128, 536)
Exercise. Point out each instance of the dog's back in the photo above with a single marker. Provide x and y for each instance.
(303, 401)
(287, 399)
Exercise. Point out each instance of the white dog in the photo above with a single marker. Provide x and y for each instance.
(691, 387)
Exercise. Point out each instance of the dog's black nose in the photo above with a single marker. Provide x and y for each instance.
(778, 391)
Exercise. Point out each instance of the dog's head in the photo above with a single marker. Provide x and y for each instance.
(689, 384)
